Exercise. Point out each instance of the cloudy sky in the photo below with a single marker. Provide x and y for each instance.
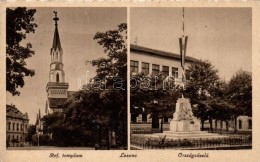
(220, 35)
(77, 27)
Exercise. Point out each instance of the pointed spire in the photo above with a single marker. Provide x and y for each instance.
(39, 114)
(37, 120)
(56, 39)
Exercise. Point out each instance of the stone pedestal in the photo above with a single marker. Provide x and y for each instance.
(183, 118)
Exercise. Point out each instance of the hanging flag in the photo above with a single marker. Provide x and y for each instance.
(183, 46)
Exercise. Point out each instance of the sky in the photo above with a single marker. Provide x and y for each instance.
(77, 27)
(221, 35)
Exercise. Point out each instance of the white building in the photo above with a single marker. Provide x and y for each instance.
(151, 61)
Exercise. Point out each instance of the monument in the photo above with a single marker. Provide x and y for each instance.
(183, 118)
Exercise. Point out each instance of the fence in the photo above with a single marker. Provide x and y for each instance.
(163, 143)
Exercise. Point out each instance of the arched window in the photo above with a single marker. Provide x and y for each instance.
(57, 77)
(13, 125)
(240, 124)
(249, 123)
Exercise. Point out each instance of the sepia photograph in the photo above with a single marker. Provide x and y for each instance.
(66, 78)
(191, 78)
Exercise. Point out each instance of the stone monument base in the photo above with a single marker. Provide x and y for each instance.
(185, 125)
(183, 118)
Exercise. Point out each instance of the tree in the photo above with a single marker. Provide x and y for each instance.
(19, 23)
(240, 94)
(204, 85)
(113, 70)
(31, 131)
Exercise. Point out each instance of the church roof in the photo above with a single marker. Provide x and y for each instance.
(56, 40)
(13, 112)
(56, 102)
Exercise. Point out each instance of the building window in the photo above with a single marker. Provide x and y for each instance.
(21, 127)
(25, 126)
(175, 72)
(155, 69)
(240, 124)
(187, 74)
(134, 66)
(17, 126)
(13, 126)
(249, 124)
(145, 68)
(9, 126)
(57, 77)
(165, 70)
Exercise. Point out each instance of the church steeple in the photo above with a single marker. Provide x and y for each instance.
(56, 72)
(57, 87)
(56, 50)
(56, 39)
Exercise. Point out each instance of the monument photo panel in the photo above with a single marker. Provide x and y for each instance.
(190, 78)
(66, 75)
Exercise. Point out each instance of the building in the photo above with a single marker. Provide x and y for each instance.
(17, 125)
(151, 61)
(57, 88)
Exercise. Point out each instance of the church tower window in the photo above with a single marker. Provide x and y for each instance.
(57, 78)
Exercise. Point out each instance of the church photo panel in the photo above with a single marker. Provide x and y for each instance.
(66, 77)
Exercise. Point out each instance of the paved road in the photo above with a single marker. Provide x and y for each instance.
(50, 148)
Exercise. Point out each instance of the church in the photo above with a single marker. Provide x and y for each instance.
(57, 88)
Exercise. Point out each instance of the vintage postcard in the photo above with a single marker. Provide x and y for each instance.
(130, 81)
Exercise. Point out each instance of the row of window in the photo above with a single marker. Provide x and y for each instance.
(145, 118)
(13, 137)
(155, 69)
(19, 127)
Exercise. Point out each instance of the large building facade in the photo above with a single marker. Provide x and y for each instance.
(57, 88)
(16, 126)
(152, 62)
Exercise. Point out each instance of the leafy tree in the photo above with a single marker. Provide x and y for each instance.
(240, 94)
(31, 131)
(204, 85)
(19, 23)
